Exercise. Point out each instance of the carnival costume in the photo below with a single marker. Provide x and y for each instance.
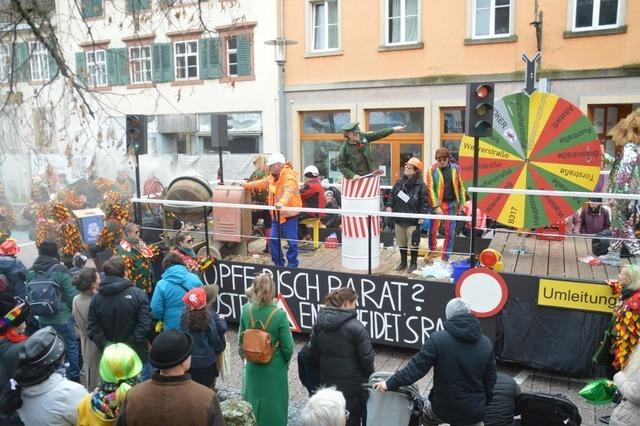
(188, 256)
(138, 258)
(625, 327)
(117, 209)
(624, 179)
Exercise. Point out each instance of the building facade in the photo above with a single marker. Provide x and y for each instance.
(392, 62)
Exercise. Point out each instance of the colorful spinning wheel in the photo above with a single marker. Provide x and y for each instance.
(538, 142)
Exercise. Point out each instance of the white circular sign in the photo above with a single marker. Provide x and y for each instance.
(484, 289)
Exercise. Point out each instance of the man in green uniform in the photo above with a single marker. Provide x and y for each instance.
(354, 159)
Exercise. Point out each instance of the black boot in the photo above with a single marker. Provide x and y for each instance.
(403, 259)
(413, 265)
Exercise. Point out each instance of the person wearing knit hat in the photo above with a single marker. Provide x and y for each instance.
(207, 330)
(464, 369)
(182, 400)
(43, 396)
(120, 368)
(13, 314)
(13, 273)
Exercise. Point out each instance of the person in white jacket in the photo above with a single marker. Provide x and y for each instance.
(628, 383)
(42, 396)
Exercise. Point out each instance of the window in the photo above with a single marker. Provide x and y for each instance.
(136, 6)
(321, 137)
(5, 63)
(452, 129)
(39, 63)
(232, 56)
(97, 67)
(402, 21)
(186, 60)
(324, 18)
(491, 18)
(91, 8)
(595, 14)
(140, 64)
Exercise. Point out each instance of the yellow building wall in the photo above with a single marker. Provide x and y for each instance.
(444, 29)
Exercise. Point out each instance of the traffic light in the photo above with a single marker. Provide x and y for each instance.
(479, 110)
(137, 133)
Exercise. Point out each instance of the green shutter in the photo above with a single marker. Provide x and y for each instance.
(53, 66)
(210, 58)
(91, 8)
(137, 5)
(21, 69)
(81, 67)
(162, 62)
(244, 54)
(117, 66)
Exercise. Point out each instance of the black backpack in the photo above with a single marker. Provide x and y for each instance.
(600, 246)
(43, 293)
(538, 409)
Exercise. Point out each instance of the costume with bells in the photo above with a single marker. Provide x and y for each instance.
(625, 328)
(624, 179)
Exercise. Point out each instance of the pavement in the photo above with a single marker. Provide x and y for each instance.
(390, 359)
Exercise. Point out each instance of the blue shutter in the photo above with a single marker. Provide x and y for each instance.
(210, 58)
(117, 66)
(162, 62)
(21, 69)
(81, 67)
(244, 54)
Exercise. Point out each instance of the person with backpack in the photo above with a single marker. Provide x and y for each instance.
(50, 294)
(13, 273)
(341, 346)
(119, 312)
(266, 344)
(166, 303)
(204, 326)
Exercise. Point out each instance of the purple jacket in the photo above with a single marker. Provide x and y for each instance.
(594, 221)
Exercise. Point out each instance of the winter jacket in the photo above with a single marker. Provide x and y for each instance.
(594, 221)
(416, 190)
(16, 274)
(87, 416)
(284, 191)
(355, 159)
(53, 402)
(8, 360)
(206, 343)
(332, 220)
(503, 406)
(312, 194)
(119, 313)
(341, 347)
(464, 374)
(166, 303)
(60, 274)
(170, 400)
(435, 186)
(628, 383)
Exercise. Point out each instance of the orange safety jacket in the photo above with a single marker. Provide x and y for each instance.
(285, 191)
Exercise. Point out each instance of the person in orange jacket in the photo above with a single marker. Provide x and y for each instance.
(282, 183)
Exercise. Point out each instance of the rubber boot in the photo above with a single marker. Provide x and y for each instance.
(403, 259)
(267, 233)
(413, 265)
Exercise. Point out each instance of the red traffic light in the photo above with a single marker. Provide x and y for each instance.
(483, 91)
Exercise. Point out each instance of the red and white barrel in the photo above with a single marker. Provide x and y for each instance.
(360, 195)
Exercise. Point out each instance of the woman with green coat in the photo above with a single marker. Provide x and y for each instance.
(266, 386)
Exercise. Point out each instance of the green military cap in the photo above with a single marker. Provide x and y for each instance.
(349, 127)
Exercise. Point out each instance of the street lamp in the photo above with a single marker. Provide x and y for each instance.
(280, 51)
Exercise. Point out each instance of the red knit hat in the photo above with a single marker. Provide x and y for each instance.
(195, 298)
(9, 247)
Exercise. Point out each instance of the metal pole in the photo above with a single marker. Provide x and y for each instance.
(137, 211)
(474, 201)
(221, 168)
(282, 122)
(279, 238)
(206, 229)
(369, 238)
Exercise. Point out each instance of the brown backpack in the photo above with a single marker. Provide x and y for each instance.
(256, 342)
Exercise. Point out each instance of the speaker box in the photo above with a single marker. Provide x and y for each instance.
(219, 137)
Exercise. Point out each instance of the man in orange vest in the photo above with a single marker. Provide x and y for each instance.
(282, 183)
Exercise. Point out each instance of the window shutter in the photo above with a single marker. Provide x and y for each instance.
(117, 66)
(162, 70)
(53, 66)
(137, 5)
(91, 8)
(210, 58)
(244, 54)
(81, 67)
(21, 63)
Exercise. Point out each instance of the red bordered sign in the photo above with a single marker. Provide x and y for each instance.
(484, 289)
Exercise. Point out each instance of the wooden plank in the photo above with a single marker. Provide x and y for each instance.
(570, 258)
(585, 272)
(525, 260)
(556, 259)
(499, 241)
(508, 258)
(541, 258)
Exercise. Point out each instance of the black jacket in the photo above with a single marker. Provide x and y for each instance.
(464, 370)
(119, 313)
(341, 347)
(416, 190)
(503, 406)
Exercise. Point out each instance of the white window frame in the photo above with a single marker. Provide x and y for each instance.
(186, 56)
(38, 62)
(403, 24)
(492, 20)
(5, 63)
(325, 26)
(96, 65)
(622, 7)
(230, 52)
(142, 70)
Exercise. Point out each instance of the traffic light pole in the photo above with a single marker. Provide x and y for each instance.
(137, 211)
(474, 200)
